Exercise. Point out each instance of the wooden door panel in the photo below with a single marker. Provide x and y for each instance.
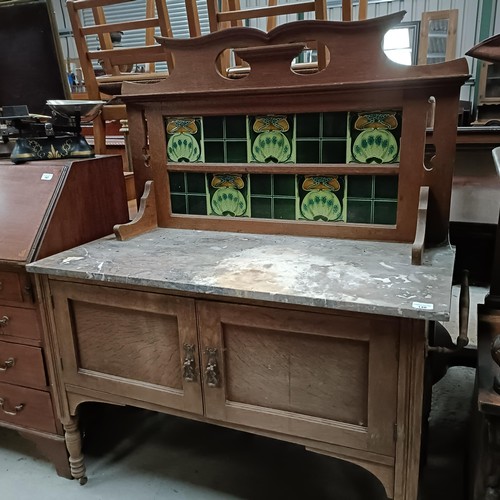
(128, 343)
(289, 372)
(119, 350)
(328, 377)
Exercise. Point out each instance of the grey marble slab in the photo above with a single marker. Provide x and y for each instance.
(362, 276)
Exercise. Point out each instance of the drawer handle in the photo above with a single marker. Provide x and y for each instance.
(4, 320)
(212, 372)
(189, 364)
(9, 363)
(16, 410)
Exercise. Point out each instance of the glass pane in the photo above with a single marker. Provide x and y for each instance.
(438, 34)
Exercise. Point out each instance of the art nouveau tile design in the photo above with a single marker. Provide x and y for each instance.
(315, 138)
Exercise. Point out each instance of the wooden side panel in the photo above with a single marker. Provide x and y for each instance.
(91, 202)
(311, 375)
(26, 194)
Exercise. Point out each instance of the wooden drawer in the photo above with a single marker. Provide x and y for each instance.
(22, 365)
(26, 407)
(11, 286)
(19, 322)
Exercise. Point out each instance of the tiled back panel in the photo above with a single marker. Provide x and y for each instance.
(316, 138)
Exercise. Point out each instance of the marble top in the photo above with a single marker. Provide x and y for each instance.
(351, 275)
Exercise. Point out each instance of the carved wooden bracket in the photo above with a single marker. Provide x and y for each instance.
(145, 220)
(417, 250)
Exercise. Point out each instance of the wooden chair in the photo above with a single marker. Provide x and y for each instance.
(347, 11)
(118, 63)
(230, 15)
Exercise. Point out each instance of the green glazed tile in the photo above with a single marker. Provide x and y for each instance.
(261, 183)
(177, 184)
(213, 127)
(360, 186)
(284, 185)
(386, 186)
(359, 211)
(214, 152)
(284, 209)
(195, 183)
(308, 151)
(178, 204)
(236, 152)
(307, 125)
(385, 212)
(236, 127)
(333, 152)
(261, 208)
(197, 205)
(334, 124)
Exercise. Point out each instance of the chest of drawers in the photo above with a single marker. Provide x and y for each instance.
(45, 207)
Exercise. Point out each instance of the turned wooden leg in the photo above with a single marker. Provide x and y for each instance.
(73, 440)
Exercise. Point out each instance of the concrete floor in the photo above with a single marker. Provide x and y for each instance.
(132, 453)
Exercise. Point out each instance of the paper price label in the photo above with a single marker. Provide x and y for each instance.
(425, 306)
(47, 177)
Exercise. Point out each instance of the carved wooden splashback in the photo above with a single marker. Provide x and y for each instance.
(338, 152)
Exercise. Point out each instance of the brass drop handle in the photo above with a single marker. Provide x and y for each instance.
(4, 320)
(14, 412)
(212, 373)
(189, 364)
(9, 363)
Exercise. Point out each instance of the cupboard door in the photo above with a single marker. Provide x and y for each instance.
(134, 344)
(327, 377)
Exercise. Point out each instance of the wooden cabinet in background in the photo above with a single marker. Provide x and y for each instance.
(45, 207)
